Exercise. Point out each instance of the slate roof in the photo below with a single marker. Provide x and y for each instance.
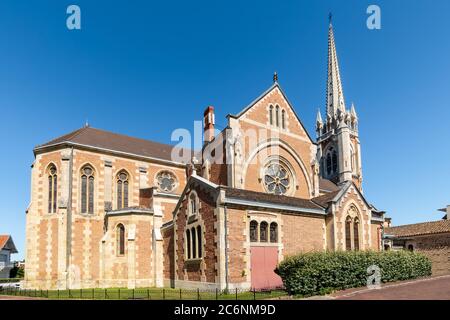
(323, 200)
(327, 185)
(270, 198)
(91, 137)
(417, 229)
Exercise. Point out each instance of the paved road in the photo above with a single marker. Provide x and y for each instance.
(437, 288)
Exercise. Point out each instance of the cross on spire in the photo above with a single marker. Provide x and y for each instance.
(330, 17)
(275, 77)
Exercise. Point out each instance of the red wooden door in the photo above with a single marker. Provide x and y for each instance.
(263, 263)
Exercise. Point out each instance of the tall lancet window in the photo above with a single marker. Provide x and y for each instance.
(87, 190)
(277, 116)
(356, 234)
(120, 240)
(52, 189)
(283, 119)
(271, 115)
(122, 190)
(348, 236)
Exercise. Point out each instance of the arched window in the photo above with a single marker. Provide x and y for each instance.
(271, 115)
(348, 236)
(194, 243)
(188, 244)
(283, 121)
(87, 190)
(200, 242)
(356, 234)
(263, 231)
(193, 203)
(120, 240)
(52, 189)
(122, 190)
(411, 247)
(253, 231)
(277, 116)
(273, 232)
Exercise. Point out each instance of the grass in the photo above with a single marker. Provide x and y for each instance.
(144, 294)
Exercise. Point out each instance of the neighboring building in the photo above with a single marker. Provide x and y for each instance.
(7, 248)
(431, 238)
(109, 210)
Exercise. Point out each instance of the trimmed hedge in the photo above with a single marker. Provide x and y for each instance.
(323, 272)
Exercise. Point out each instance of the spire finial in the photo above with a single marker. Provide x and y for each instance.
(330, 17)
(86, 125)
(275, 77)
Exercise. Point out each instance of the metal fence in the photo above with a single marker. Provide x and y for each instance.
(144, 294)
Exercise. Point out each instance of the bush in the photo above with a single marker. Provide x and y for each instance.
(321, 272)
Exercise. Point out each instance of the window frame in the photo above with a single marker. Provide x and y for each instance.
(88, 191)
(121, 240)
(123, 190)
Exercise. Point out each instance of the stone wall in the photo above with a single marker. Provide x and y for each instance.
(437, 248)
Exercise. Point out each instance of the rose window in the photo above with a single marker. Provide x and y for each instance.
(166, 181)
(276, 179)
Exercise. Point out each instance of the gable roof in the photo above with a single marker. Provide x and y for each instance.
(7, 243)
(417, 229)
(327, 185)
(272, 87)
(112, 142)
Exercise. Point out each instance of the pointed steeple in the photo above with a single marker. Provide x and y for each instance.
(353, 111)
(319, 120)
(335, 94)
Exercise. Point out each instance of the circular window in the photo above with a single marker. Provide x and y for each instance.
(277, 179)
(166, 181)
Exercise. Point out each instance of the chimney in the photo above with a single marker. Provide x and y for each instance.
(208, 122)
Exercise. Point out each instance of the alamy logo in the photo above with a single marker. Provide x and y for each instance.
(73, 21)
(374, 20)
(374, 277)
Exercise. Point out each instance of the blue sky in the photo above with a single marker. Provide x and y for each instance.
(145, 68)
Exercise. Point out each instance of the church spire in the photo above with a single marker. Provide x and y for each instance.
(335, 94)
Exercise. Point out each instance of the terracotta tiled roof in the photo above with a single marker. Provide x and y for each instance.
(269, 198)
(7, 243)
(3, 240)
(323, 200)
(327, 185)
(417, 229)
(102, 139)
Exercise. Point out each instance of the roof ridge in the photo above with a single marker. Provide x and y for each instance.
(420, 223)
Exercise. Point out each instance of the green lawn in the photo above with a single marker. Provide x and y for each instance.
(145, 294)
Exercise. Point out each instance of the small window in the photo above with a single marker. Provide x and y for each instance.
(200, 242)
(410, 248)
(283, 116)
(120, 240)
(253, 231)
(263, 231)
(273, 232)
(193, 204)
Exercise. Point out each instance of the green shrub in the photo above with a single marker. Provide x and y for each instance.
(321, 272)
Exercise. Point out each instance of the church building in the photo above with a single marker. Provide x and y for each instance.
(108, 210)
